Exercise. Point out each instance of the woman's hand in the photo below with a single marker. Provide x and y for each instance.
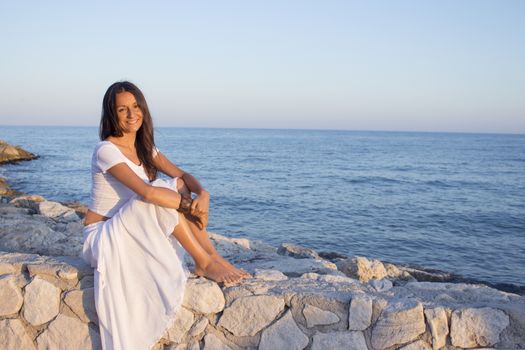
(201, 204)
(203, 221)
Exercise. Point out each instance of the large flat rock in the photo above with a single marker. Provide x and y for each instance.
(399, 323)
(41, 301)
(13, 335)
(474, 327)
(283, 334)
(66, 333)
(248, 315)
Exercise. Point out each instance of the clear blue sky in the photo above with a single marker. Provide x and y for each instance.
(373, 65)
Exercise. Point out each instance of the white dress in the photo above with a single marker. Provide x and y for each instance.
(140, 276)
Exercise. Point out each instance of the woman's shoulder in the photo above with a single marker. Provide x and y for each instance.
(104, 145)
(106, 148)
(105, 155)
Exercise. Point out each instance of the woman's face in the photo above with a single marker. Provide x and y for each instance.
(129, 113)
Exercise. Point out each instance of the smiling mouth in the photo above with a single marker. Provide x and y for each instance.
(133, 122)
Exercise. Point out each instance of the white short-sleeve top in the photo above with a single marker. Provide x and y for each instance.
(107, 193)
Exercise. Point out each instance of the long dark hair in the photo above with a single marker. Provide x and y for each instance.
(109, 125)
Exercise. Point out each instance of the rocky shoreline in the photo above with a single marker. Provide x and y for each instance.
(298, 298)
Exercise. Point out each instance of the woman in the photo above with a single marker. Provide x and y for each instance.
(137, 227)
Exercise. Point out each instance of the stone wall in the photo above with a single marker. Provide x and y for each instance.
(47, 303)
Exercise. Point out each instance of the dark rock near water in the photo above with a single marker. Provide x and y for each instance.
(10, 154)
(297, 251)
(332, 256)
(5, 190)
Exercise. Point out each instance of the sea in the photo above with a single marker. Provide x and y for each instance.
(454, 202)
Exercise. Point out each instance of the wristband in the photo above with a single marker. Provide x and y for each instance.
(185, 204)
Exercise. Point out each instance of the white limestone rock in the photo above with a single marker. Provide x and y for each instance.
(17, 262)
(11, 298)
(199, 327)
(66, 333)
(27, 201)
(235, 292)
(56, 211)
(460, 293)
(193, 344)
(332, 278)
(27, 235)
(203, 296)
(474, 327)
(13, 335)
(270, 275)
(294, 267)
(82, 303)
(71, 267)
(73, 228)
(363, 269)
(238, 250)
(54, 269)
(180, 325)
(353, 340)
(35, 234)
(315, 316)
(417, 345)
(399, 323)
(256, 254)
(212, 342)
(6, 269)
(360, 313)
(392, 270)
(283, 334)
(41, 301)
(438, 323)
(174, 346)
(248, 315)
(381, 285)
(232, 243)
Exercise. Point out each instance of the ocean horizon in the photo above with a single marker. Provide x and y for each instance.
(520, 133)
(452, 201)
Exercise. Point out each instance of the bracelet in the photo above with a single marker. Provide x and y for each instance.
(185, 204)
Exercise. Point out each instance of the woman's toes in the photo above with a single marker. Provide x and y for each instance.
(213, 271)
(243, 273)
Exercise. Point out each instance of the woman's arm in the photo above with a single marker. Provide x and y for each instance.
(164, 165)
(201, 204)
(157, 195)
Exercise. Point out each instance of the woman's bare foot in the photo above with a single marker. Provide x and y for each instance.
(217, 272)
(241, 273)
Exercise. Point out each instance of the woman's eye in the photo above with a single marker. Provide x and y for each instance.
(120, 110)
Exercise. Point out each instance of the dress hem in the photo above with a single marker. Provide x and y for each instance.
(171, 317)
